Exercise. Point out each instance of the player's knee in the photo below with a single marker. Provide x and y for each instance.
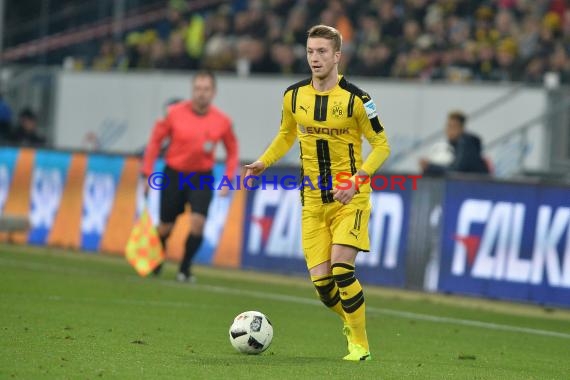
(343, 254)
(320, 270)
(325, 287)
(197, 224)
(343, 274)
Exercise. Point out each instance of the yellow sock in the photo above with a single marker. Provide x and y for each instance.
(329, 294)
(352, 301)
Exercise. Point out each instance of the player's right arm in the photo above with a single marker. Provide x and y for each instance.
(281, 143)
(159, 133)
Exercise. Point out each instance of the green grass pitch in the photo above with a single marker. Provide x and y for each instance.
(79, 316)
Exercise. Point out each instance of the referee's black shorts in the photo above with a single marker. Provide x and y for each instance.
(174, 197)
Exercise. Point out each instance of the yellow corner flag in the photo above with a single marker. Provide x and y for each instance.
(144, 250)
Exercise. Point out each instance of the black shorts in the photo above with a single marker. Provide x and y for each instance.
(174, 197)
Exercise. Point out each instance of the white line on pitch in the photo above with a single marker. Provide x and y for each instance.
(390, 312)
(293, 299)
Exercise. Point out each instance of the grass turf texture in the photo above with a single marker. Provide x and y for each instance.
(70, 315)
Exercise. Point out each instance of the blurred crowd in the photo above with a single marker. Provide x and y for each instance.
(24, 132)
(456, 40)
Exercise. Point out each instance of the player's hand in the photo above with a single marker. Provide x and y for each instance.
(255, 168)
(344, 196)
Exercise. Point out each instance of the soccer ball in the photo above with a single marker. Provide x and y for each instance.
(251, 332)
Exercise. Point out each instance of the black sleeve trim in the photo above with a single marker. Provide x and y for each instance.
(376, 126)
(301, 83)
(346, 85)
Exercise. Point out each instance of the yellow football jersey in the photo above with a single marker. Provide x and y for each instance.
(329, 126)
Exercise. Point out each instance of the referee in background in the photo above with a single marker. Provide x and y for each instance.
(193, 128)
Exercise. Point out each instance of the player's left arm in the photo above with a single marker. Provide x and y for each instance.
(232, 151)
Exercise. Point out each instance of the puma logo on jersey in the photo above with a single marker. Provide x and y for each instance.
(354, 233)
(304, 109)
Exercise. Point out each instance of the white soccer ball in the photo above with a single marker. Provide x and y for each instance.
(251, 332)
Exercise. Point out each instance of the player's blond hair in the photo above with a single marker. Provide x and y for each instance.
(327, 32)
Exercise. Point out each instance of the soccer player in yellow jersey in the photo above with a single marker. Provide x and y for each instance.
(329, 115)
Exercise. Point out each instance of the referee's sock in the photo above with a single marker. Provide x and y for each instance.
(193, 243)
(163, 241)
(352, 301)
(158, 269)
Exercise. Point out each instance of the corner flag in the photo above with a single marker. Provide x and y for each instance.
(144, 250)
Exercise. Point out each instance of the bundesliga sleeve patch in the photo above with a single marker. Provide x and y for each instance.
(370, 108)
